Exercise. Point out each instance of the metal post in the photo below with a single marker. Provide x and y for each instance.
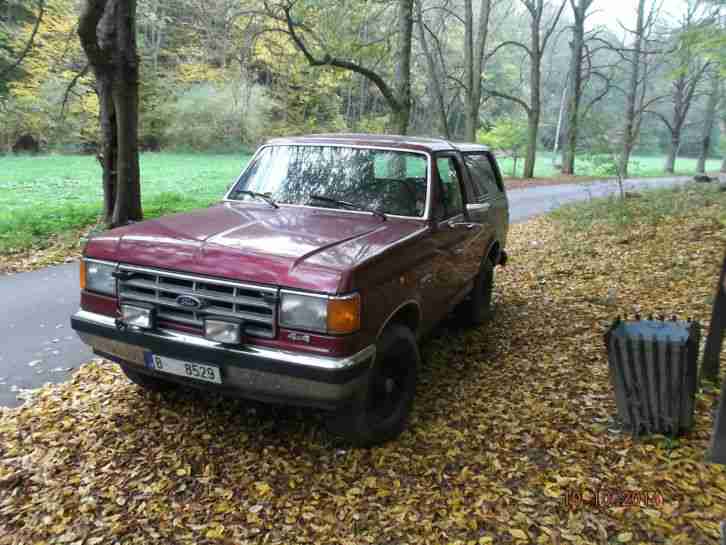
(710, 369)
(712, 353)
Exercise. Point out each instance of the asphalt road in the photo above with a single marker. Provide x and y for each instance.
(37, 344)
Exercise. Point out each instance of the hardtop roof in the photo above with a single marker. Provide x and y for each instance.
(414, 143)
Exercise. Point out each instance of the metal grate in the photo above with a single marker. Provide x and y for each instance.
(256, 306)
(653, 368)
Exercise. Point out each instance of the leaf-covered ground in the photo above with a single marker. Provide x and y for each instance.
(512, 422)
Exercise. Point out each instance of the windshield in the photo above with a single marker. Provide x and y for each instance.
(392, 182)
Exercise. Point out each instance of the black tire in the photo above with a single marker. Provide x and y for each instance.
(148, 382)
(477, 309)
(380, 411)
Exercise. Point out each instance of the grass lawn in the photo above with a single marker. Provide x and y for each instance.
(511, 434)
(640, 165)
(44, 195)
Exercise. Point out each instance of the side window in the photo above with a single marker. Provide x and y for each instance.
(453, 203)
(483, 174)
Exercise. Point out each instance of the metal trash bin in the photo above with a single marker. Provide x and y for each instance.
(654, 371)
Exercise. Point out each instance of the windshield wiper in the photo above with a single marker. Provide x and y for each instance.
(348, 205)
(269, 200)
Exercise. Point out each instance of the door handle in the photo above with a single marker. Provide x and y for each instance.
(478, 207)
(454, 225)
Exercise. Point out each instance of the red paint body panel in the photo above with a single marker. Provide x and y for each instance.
(294, 247)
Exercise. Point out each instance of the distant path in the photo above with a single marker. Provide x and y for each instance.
(532, 201)
(36, 306)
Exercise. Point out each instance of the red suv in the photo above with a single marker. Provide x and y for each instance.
(311, 282)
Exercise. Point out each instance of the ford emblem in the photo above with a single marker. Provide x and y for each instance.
(187, 301)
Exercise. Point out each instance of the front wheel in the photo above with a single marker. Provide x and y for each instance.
(380, 412)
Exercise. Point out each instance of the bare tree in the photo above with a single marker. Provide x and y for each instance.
(475, 40)
(688, 73)
(107, 29)
(714, 97)
(574, 83)
(638, 61)
(540, 34)
(28, 45)
(435, 84)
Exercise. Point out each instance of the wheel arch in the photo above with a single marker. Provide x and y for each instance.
(407, 313)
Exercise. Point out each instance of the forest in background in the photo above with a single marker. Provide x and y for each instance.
(520, 75)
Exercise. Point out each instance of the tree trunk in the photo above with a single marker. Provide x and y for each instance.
(474, 64)
(629, 135)
(531, 153)
(535, 104)
(469, 122)
(434, 83)
(575, 87)
(670, 162)
(107, 29)
(402, 112)
(710, 114)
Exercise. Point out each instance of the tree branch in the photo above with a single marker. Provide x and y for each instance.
(329, 60)
(70, 87)
(29, 45)
(505, 96)
(510, 42)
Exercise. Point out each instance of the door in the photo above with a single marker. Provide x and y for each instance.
(455, 234)
(488, 204)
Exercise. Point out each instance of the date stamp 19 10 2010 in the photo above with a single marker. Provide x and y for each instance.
(609, 497)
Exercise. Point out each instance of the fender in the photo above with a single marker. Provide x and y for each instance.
(396, 310)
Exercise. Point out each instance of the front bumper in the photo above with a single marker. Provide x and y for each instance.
(247, 371)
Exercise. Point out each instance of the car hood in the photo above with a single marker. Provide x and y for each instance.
(297, 247)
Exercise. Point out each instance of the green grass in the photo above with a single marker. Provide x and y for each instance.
(44, 195)
(640, 166)
(650, 207)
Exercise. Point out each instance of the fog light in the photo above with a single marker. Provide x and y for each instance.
(137, 316)
(223, 331)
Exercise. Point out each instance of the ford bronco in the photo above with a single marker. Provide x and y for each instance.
(311, 282)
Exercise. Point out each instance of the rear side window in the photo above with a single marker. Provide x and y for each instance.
(453, 203)
(483, 174)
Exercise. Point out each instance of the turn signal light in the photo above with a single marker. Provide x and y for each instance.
(344, 314)
(82, 272)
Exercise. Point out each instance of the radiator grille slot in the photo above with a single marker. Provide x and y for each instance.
(256, 306)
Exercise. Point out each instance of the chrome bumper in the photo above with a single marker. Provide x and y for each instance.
(247, 371)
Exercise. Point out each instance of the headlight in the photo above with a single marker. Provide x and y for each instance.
(96, 276)
(336, 315)
(138, 315)
(222, 331)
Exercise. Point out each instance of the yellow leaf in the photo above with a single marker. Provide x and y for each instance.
(625, 537)
(263, 489)
(518, 534)
(215, 533)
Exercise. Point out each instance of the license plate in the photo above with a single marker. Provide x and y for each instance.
(197, 371)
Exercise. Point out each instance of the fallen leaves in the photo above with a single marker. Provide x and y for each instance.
(510, 420)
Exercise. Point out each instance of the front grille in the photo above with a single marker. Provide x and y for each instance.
(256, 306)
